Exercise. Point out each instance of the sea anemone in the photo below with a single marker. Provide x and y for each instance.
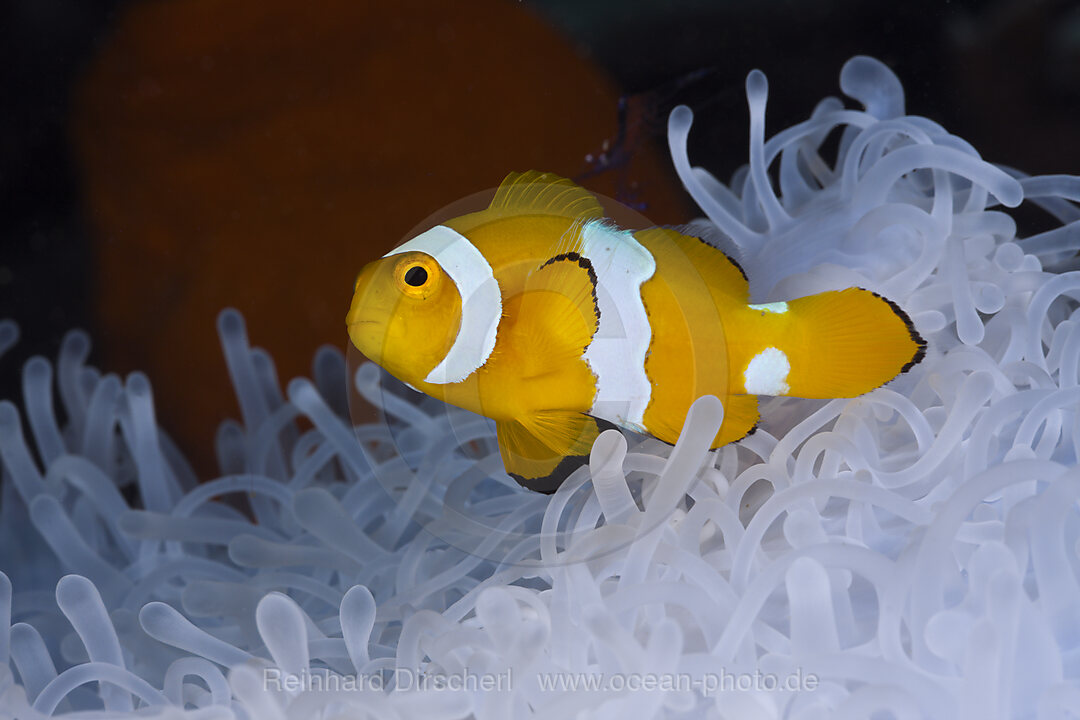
(914, 551)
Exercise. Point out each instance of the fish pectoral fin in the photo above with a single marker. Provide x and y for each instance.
(556, 315)
(541, 450)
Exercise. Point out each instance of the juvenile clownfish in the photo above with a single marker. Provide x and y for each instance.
(542, 315)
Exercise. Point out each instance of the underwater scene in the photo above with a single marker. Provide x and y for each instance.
(541, 359)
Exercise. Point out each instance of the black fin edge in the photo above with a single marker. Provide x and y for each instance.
(753, 429)
(570, 463)
(920, 351)
(549, 484)
(732, 260)
(584, 263)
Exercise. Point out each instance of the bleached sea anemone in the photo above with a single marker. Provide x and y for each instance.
(913, 552)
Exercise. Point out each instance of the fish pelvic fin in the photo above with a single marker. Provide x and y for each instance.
(542, 449)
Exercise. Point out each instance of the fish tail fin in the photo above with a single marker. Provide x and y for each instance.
(848, 342)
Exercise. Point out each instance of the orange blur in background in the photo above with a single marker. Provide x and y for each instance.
(257, 153)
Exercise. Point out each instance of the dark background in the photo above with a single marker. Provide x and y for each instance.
(1003, 75)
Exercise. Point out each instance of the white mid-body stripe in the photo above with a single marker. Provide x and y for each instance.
(481, 300)
(617, 352)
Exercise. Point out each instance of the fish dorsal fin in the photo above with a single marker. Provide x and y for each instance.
(542, 193)
(535, 193)
(723, 274)
(556, 314)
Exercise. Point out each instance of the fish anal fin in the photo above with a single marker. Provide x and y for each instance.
(740, 419)
(542, 449)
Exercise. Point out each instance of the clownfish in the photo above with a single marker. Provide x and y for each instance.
(543, 315)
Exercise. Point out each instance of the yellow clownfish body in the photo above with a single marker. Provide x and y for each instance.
(539, 314)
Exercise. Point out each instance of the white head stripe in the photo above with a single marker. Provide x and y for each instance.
(481, 300)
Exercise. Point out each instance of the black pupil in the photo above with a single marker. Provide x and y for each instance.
(416, 276)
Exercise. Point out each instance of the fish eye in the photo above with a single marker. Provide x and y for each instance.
(416, 276)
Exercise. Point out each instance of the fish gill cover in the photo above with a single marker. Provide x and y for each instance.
(911, 551)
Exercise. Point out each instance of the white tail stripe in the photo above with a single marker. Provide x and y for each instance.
(481, 300)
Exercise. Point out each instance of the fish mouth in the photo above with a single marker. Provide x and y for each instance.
(356, 319)
(368, 324)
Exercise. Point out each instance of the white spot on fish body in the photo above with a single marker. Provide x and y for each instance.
(766, 373)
